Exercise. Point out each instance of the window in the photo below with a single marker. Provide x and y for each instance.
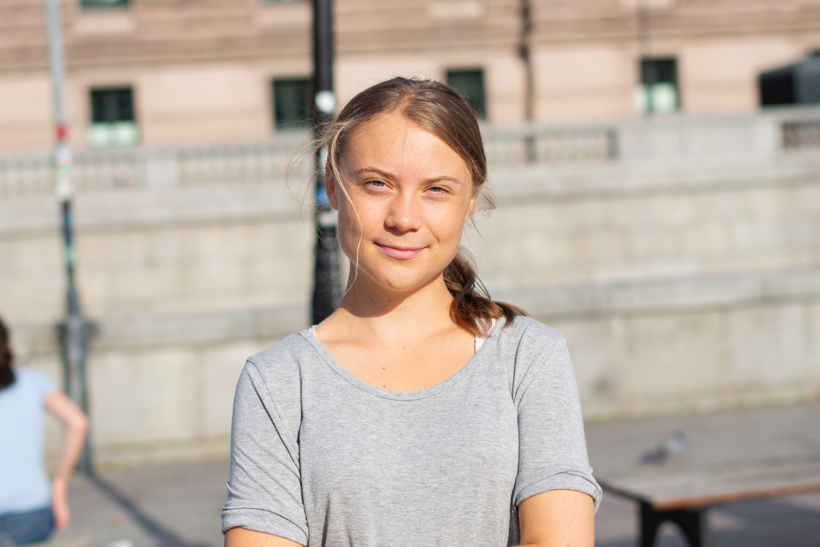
(658, 91)
(91, 4)
(470, 83)
(798, 83)
(777, 87)
(112, 118)
(291, 103)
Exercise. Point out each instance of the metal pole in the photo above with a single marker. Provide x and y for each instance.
(75, 329)
(524, 51)
(643, 24)
(327, 286)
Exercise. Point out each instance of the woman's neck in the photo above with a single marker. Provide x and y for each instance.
(375, 311)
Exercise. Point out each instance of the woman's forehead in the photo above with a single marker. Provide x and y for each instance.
(394, 140)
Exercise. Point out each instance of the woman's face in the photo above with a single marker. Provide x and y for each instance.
(409, 196)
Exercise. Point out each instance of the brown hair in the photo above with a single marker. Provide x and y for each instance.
(6, 358)
(439, 109)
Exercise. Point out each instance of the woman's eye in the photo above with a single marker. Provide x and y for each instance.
(377, 183)
(437, 190)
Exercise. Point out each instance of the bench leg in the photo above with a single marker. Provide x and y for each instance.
(692, 522)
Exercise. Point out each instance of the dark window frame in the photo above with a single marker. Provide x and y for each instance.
(105, 4)
(285, 105)
(477, 99)
(104, 108)
(659, 70)
(113, 117)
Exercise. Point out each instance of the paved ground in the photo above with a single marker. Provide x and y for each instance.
(178, 505)
(761, 434)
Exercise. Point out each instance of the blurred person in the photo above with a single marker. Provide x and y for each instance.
(30, 507)
(420, 412)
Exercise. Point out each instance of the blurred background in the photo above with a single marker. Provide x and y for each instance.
(655, 165)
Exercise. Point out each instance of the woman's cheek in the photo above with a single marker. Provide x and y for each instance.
(452, 231)
(349, 233)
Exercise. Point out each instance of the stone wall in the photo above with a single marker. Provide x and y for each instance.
(685, 276)
(684, 272)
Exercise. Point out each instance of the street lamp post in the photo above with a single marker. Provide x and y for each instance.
(327, 288)
(525, 52)
(74, 331)
(643, 22)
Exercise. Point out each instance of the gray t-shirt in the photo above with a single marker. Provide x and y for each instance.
(323, 458)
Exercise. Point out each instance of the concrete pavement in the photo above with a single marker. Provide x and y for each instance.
(179, 504)
(712, 439)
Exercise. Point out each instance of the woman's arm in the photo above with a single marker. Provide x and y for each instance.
(76, 425)
(240, 537)
(557, 518)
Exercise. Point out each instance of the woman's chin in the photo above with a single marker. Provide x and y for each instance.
(401, 282)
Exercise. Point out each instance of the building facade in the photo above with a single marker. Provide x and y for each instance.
(167, 71)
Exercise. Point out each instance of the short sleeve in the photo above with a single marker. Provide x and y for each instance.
(264, 488)
(552, 448)
(45, 385)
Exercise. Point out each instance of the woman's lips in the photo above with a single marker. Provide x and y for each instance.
(400, 253)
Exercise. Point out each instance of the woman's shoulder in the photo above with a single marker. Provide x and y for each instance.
(531, 349)
(34, 378)
(285, 358)
(29, 382)
(526, 333)
(283, 352)
(269, 387)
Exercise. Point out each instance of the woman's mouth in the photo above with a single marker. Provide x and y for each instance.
(400, 253)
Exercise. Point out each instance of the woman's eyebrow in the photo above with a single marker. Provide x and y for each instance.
(364, 170)
(443, 178)
(387, 175)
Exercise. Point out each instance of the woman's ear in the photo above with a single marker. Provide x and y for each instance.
(330, 187)
(471, 208)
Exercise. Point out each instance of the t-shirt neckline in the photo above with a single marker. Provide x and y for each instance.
(351, 378)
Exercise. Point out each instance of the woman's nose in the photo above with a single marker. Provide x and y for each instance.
(403, 214)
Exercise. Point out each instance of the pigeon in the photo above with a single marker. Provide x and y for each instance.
(672, 446)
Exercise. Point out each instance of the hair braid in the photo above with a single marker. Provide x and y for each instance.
(472, 308)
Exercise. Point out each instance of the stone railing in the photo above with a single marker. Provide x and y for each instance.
(277, 159)
(32, 174)
(801, 134)
(271, 160)
(252, 163)
(544, 144)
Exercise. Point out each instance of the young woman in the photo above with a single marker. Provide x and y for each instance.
(30, 506)
(420, 412)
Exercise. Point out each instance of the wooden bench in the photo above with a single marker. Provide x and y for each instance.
(682, 494)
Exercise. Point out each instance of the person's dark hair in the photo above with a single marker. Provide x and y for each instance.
(441, 110)
(6, 358)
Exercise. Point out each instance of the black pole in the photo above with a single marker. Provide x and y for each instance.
(74, 330)
(524, 51)
(643, 24)
(327, 287)
(74, 333)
